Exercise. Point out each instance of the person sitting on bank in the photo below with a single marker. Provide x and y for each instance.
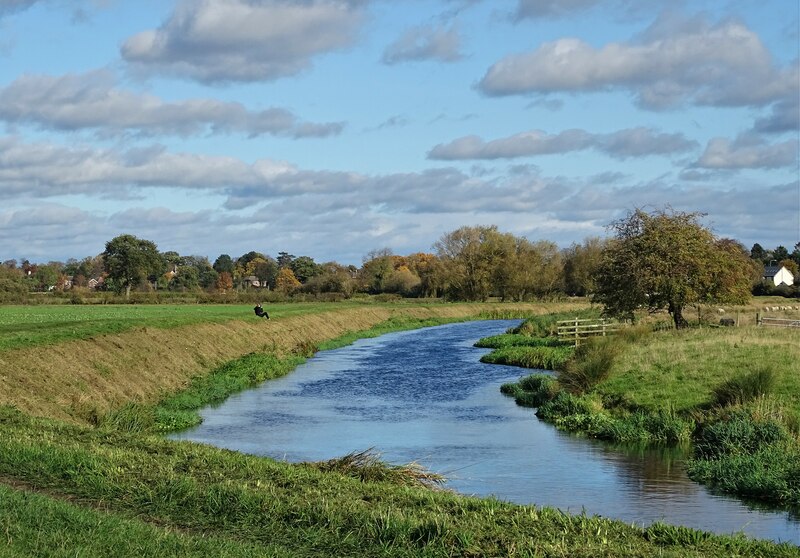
(260, 312)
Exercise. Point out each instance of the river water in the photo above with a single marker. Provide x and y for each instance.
(424, 396)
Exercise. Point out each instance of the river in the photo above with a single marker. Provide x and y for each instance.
(424, 396)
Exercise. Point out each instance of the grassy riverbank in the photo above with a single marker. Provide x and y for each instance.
(105, 490)
(103, 484)
(733, 393)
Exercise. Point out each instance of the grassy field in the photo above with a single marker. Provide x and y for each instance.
(39, 325)
(81, 473)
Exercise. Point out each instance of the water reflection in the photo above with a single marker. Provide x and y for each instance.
(424, 396)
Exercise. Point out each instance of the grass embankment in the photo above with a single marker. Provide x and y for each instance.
(733, 393)
(94, 367)
(112, 494)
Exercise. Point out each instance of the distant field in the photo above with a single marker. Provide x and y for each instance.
(28, 326)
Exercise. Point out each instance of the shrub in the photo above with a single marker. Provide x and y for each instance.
(747, 387)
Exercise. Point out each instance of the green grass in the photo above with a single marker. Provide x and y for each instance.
(34, 525)
(202, 499)
(28, 326)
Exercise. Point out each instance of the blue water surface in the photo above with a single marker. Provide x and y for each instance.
(423, 396)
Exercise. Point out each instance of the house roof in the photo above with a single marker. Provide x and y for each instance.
(772, 270)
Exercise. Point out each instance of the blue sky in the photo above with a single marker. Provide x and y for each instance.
(334, 128)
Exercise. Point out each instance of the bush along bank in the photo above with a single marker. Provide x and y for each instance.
(742, 439)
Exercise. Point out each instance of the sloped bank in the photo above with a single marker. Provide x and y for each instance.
(82, 380)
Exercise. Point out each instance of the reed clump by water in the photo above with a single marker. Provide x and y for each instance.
(368, 466)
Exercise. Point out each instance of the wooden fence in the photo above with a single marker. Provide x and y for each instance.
(576, 330)
(777, 322)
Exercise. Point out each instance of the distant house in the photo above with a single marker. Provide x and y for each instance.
(95, 282)
(778, 275)
(251, 281)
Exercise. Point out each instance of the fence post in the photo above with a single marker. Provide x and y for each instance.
(758, 319)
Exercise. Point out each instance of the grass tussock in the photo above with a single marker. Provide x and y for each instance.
(590, 364)
(367, 466)
(745, 388)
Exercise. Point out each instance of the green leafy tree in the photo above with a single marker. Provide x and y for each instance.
(335, 278)
(377, 267)
(224, 263)
(13, 287)
(285, 259)
(304, 268)
(537, 269)
(467, 255)
(780, 253)
(187, 278)
(666, 259)
(47, 276)
(757, 252)
(580, 266)
(129, 260)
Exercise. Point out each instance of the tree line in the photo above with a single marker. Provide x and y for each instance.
(658, 259)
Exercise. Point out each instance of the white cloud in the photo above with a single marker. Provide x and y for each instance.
(634, 142)
(748, 151)
(341, 216)
(425, 43)
(94, 101)
(243, 40)
(671, 63)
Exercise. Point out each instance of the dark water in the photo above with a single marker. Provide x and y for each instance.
(423, 396)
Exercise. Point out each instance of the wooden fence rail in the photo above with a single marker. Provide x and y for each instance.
(777, 322)
(576, 330)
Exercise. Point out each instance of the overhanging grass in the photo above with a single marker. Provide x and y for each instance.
(257, 502)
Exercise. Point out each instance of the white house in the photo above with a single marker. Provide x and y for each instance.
(779, 275)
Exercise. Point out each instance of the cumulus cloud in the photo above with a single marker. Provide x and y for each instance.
(93, 100)
(425, 43)
(748, 151)
(623, 144)
(244, 40)
(673, 62)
